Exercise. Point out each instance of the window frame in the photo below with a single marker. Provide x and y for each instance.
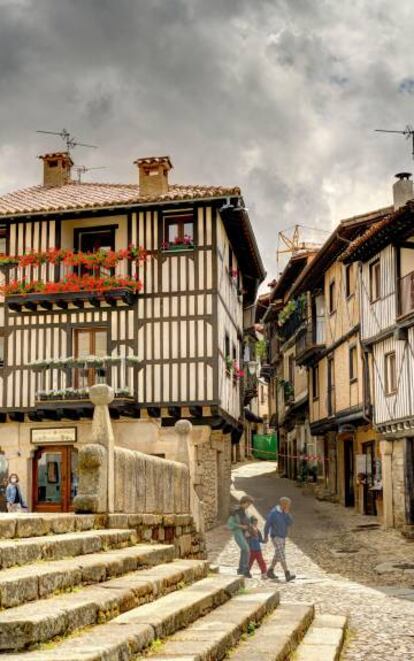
(353, 373)
(375, 279)
(180, 219)
(331, 296)
(315, 382)
(227, 352)
(387, 381)
(349, 285)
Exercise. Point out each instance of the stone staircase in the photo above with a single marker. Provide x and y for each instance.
(70, 591)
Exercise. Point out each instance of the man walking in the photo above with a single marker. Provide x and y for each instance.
(277, 524)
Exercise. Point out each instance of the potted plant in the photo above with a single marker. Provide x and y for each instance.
(133, 360)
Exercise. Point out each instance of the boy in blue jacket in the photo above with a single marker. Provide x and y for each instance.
(277, 524)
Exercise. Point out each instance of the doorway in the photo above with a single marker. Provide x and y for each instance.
(349, 473)
(55, 478)
(370, 506)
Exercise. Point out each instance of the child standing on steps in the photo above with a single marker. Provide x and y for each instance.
(255, 539)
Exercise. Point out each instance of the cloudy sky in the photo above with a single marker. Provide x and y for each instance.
(278, 96)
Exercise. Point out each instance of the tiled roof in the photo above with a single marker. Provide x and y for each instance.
(378, 234)
(75, 195)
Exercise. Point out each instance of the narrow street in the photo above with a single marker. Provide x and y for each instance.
(344, 564)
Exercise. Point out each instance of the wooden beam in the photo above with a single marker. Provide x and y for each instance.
(16, 416)
(196, 411)
(174, 411)
(46, 305)
(154, 411)
(405, 244)
(62, 304)
(16, 307)
(78, 303)
(30, 305)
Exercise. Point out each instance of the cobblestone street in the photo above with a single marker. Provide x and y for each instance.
(341, 565)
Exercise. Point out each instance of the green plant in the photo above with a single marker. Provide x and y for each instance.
(293, 305)
(261, 349)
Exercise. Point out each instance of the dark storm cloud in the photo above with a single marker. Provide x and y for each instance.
(280, 97)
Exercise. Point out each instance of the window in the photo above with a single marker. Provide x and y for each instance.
(89, 342)
(349, 283)
(353, 364)
(234, 359)
(262, 395)
(332, 304)
(227, 354)
(3, 240)
(315, 382)
(375, 280)
(92, 239)
(1, 349)
(390, 373)
(291, 369)
(178, 230)
(230, 264)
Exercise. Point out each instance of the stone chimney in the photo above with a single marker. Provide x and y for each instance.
(402, 189)
(153, 175)
(56, 168)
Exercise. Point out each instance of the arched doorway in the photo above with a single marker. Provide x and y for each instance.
(55, 478)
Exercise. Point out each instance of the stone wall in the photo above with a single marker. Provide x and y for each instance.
(213, 459)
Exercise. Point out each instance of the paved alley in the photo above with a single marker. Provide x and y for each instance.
(329, 552)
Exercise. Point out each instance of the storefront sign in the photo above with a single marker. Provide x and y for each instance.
(53, 435)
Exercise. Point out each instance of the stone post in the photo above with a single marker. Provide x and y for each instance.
(101, 396)
(185, 454)
(386, 455)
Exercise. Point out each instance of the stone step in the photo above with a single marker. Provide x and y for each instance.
(35, 623)
(55, 547)
(126, 635)
(36, 524)
(278, 636)
(22, 584)
(211, 637)
(324, 640)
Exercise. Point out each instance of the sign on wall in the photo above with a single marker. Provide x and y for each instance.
(53, 435)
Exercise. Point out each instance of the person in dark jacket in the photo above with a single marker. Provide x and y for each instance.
(277, 525)
(255, 539)
(14, 498)
(239, 524)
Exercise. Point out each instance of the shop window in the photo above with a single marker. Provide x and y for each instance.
(374, 280)
(353, 363)
(390, 369)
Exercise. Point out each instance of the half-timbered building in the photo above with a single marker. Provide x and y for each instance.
(288, 381)
(73, 312)
(384, 255)
(328, 344)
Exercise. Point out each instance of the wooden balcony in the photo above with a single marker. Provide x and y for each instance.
(62, 300)
(310, 342)
(64, 391)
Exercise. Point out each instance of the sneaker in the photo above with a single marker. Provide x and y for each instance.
(264, 577)
(247, 574)
(290, 577)
(271, 574)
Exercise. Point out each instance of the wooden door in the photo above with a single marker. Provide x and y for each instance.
(55, 478)
(370, 506)
(349, 473)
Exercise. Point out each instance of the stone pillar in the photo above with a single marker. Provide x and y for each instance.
(185, 454)
(101, 396)
(386, 457)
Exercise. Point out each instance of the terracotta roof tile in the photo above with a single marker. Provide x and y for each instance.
(73, 195)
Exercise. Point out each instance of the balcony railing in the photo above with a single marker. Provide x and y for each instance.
(310, 341)
(406, 294)
(290, 327)
(59, 381)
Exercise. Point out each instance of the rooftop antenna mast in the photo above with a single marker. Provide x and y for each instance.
(70, 141)
(408, 132)
(82, 169)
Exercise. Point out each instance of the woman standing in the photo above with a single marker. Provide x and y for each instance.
(239, 524)
(14, 497)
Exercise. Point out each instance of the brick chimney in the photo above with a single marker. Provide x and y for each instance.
(402, 189)
(56, 168)
(153, 175)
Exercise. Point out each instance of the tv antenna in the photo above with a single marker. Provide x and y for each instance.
(70, 141)
(82, 169)
(408, 132)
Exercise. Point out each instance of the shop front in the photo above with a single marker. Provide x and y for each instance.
(55, 469)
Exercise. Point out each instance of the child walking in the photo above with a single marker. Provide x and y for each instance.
(255, 540)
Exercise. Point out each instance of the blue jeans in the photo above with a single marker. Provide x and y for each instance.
(244, 553)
